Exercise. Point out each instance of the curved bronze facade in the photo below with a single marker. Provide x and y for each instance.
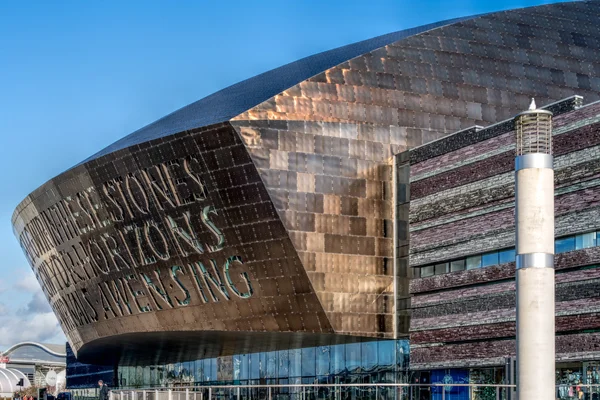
(262, 216)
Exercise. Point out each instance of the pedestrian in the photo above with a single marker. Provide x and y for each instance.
(103, 394)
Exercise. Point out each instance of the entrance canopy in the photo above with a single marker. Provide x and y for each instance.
(9, 378)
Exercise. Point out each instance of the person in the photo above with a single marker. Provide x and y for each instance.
(103, 394)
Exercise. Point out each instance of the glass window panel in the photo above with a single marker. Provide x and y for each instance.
(427, 271)
(457, 265)
(369, 355)
(352, 357)
(338, 358)
(283, 371)
(473, 262)
(308, 362)
(199, 371)
(402, 354)
(271, 364)
(441, 268)
(564, 244)
(323, 360)
(489, 259)
(146, 376)
(254, 366)
(506, 256)
(385, 353)
(262, 358)
(237, 367)
(295, 365)
(213, 369)
(585, 240)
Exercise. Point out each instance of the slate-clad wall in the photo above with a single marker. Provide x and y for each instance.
(462, 204)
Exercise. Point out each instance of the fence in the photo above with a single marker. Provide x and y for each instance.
(357, 391)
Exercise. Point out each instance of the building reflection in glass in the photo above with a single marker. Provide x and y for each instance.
(374, 361)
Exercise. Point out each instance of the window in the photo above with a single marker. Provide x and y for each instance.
(427, 271)
(565, 244)
(457, 265)
(506, 256)
(473, 262)
(441, 268)
(561, 245)
(585, 240)
(489, 259)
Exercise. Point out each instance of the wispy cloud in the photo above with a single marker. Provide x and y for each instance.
(33, 322)
(28, 283)
(37, 305)
(37, 328)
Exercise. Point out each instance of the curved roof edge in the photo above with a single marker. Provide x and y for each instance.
(9, 377)
(231, 101)
(35, 344)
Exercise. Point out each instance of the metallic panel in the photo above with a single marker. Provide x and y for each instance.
(534, 160)
(535, 260)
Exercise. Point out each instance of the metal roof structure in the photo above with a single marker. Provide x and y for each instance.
(235, 99)
(9, 378)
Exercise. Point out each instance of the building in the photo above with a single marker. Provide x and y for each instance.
(270, 232)
(462, 250)
(33, 361)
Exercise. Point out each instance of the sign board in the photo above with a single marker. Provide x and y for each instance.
(51, 378)
(3, 361)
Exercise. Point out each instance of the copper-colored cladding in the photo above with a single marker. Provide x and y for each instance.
(301, 189)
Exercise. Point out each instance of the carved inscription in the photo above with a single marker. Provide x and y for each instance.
(141, 242)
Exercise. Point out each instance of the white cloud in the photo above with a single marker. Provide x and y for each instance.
(34, 327)
(37, 305)
(33, 322)
(28, 283)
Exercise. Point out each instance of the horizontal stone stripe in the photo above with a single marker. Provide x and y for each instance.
(465, 228)
(457, 355)
(568, 142)
(497, 206)
(569, 167)
(494, 165)
(470, 136)
(587, 219)
(476, 134)
(567, 291)
(499, 272)
(570, 307)
(469, 154)
(499, 144)
(502, 330)
(444, 296)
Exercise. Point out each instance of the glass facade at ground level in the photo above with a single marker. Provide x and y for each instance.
(384, 361)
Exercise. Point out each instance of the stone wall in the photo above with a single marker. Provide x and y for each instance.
(462, 203)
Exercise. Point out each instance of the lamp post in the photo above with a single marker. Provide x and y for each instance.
(534, 220)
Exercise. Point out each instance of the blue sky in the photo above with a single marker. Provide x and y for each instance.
(76, 76)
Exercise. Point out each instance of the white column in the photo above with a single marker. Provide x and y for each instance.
(535, 277)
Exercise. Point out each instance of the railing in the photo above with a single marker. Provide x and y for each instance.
(350, 391)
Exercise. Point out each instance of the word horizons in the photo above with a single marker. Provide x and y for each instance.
(69, 245)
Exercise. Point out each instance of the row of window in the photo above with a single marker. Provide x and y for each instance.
(561, 245)
(309, 363)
